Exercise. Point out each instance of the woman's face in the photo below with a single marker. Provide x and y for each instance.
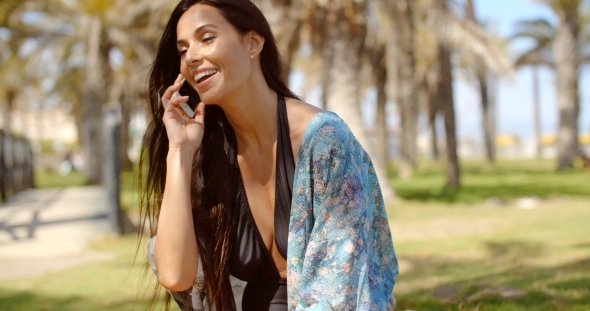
(214, 57)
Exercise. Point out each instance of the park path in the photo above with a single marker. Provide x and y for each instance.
(48, 230)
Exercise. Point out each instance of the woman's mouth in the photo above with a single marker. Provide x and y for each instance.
(204, 76)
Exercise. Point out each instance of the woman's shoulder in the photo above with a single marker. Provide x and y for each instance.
(311, 125)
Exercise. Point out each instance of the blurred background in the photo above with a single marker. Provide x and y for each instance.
(475, 113)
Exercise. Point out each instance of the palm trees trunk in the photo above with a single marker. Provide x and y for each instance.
(566, 54)
(481, 72)
(486, 115)
(432, 113)
(536, 111)
(126, 164)
(285, 27)
(492, 108)
(10, 96)
(447, 106)
(95, 96)
(446, 102)
(342, 91)
(380, 73)
(407, 98)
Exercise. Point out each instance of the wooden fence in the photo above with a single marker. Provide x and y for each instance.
(16, 166)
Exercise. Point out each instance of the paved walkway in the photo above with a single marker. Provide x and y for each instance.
(48, 230)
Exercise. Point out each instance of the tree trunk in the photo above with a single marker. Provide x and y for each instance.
(95, 96)
(487, 118)
(493, 108)
(126, 164)
(286, 28)
(481, 72)
(380, 73)
(566, 53)
(10, 95)
(342, 91)
(432, 113)
(536, 111)
(447, 105)
(446, 102)
(407, 91)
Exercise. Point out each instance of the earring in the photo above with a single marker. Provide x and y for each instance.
(252, 56)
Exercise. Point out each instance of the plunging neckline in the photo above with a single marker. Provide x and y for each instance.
(284, 165)
(252, 221)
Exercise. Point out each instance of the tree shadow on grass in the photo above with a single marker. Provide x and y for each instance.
(477, 194)
(517, 287)
(27, 300)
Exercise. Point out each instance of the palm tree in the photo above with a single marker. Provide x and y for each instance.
(15, 67)
(542, 33)
(379, 73)
(100, 29)
(482, 78)
(401, 13)
(447, 32)
(284, 17)
(337, 32)
(568, 47)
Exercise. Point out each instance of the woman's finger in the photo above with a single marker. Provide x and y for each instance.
(200, 112)
(170, 90)
(175, 102)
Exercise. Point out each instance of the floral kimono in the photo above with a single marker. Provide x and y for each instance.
(340, 252)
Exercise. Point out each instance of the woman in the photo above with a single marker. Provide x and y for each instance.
(257, 185)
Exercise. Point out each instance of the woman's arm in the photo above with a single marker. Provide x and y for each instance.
(341, 254)
(176, 253)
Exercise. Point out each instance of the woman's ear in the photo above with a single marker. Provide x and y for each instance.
(256, 43)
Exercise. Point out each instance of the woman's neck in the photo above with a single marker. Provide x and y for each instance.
(252, 112)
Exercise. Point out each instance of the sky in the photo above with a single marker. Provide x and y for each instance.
(514, 97)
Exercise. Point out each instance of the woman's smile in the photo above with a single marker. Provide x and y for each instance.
(204, 77)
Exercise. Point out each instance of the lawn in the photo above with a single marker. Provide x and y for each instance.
(455, 251)
(116, 284)
(507, 180)
(471, 257)
(452, 257)
(129, 185)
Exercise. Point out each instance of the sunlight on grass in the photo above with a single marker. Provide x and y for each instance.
(471, 257)
(106, 285)
(50, 179)
(455, 252)
(506, 180)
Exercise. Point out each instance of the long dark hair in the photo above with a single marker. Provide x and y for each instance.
(212, 195)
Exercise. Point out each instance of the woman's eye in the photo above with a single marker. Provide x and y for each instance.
(208, 38)
(181, 52)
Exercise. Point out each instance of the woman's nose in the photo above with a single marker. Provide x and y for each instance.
(193, 55)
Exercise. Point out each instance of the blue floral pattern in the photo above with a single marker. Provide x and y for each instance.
(340, 254)
(340, 251)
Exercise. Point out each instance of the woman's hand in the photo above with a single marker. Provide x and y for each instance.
(184, 134)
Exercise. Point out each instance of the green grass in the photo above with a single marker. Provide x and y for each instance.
(129, 195)
(506, 180)
(454, 252)
(467, 257)
(129, 192)
(475, 258)
(49, 179)
(105, 285)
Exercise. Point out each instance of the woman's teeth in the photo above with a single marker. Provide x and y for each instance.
(200, 76)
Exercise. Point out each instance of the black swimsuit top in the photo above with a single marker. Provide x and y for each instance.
(250, 260)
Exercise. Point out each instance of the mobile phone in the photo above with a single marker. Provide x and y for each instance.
(187, 109)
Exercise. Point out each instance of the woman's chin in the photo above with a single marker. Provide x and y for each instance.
(210, 99)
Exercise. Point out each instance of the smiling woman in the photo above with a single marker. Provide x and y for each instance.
(258, 185)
